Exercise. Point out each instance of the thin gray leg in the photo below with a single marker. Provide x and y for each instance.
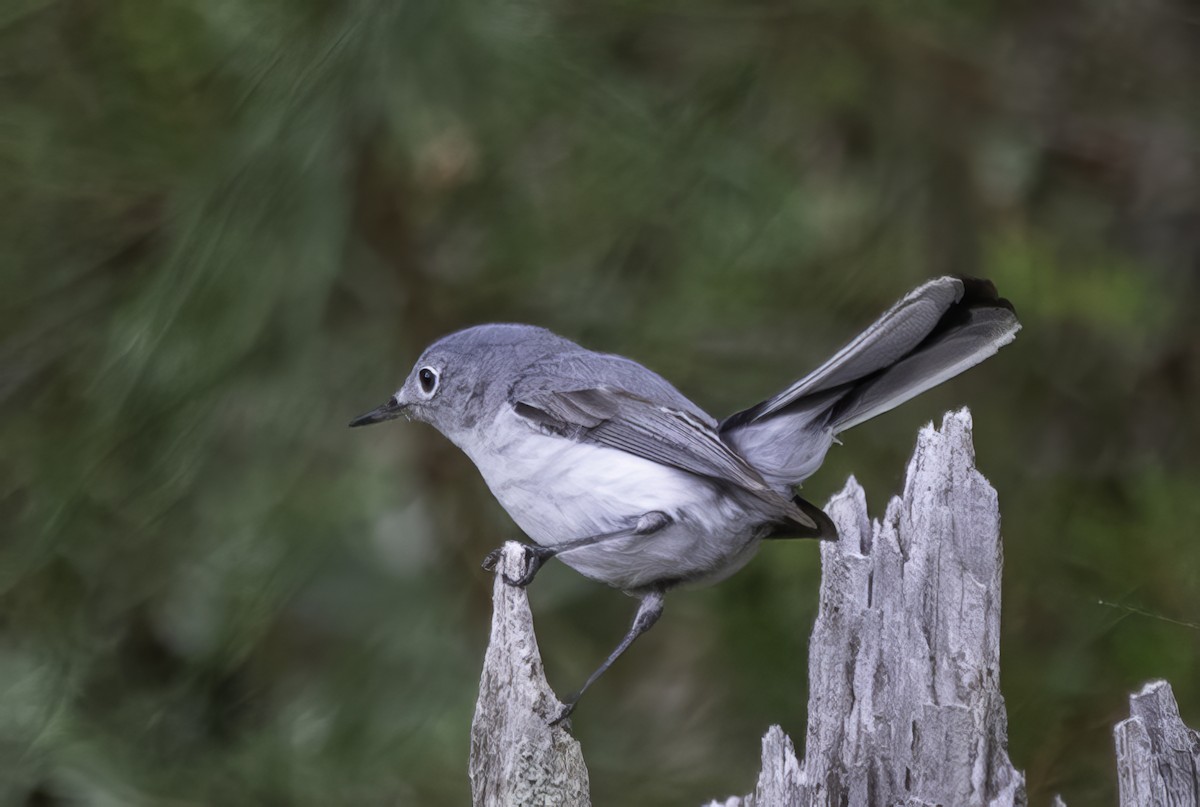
(536, 554)
(648, 612)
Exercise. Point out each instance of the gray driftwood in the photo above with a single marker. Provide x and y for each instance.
(904, 671)
(517, 757)
(1158, 757)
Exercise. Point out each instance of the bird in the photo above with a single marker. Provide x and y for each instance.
(607, 467)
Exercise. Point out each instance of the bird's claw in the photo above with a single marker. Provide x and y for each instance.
(535, 556)
(564, 717)
(533, 562)
(493, 558)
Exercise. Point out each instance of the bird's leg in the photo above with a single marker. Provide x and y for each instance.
(536, 554)
(648, 612)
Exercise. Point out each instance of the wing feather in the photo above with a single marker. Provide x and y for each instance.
(618, 419)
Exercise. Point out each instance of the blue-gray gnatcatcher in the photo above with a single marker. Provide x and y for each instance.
(608, 467)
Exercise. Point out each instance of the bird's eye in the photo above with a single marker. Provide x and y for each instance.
(429, 380)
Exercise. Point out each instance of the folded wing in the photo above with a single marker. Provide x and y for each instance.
(618, 419)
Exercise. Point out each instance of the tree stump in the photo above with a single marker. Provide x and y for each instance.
(1158, 757)
(904, 661)
(517, 758)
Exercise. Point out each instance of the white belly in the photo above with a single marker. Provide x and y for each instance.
(559, 490)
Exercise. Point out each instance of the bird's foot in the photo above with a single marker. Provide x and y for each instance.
(492, 558)
(564, 717)
(535, 556)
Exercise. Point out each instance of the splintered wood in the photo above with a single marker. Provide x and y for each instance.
(517, 757)
(904, 661)
(1158, 757)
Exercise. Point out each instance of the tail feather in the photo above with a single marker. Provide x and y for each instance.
(934, 333)
(895, 334)
(937, 359)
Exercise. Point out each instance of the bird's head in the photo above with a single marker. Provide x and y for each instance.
(461, 380)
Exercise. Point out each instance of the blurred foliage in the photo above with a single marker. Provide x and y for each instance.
(229, 226)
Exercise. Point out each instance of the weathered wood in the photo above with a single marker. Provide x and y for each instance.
(517, 757)
(1158, 757)
(780, 782)
(904, 662)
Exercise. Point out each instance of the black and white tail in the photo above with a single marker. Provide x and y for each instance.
(936, 332)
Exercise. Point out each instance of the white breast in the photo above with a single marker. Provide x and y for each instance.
(560, 490)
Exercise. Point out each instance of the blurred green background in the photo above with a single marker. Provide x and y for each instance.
(228, 226)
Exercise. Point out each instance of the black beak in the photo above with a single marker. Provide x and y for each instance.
(389, 411)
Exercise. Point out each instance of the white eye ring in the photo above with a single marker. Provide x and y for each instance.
(427, 380)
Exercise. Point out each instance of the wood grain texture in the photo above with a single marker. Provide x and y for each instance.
(1158, 757)
(517, 757)
(904, 662)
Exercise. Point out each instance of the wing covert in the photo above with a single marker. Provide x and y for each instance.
(618, 419)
